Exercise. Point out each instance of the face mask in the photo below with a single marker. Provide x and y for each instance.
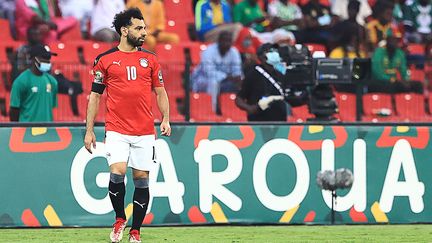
(273, 58)
(43, 66)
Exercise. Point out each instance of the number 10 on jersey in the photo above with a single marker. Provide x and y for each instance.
(131, 72)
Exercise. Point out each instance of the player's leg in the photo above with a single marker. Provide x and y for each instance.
(141, 199)
(117, 148)
(142, 160)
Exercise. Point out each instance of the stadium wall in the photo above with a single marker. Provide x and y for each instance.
(211, 174)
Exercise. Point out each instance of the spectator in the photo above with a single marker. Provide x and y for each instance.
(101, 20)
(350, 45)
(377, 28)
(34, 92)
(153, 12)
(82, 12)
(318, 21)
(286, 15)
(419, 21)
(341, 9)
(247, 45)
(389, 68)
(40, 13)
(7, 11)
(23, 59)
(213, 17)
(250, 14)
(261, 94)
(351, 36)
(219, 70)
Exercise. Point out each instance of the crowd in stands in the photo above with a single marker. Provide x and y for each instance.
(396, 35)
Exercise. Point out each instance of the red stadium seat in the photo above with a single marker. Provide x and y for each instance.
(179, 26)
(417, 75)
(170, 54)
(373, 103)
(201, 108)
(229, 109)
(63, 111)
(416, 49)
(66, 52)
(300, 114)
(73, 34)
(6, 34)
(92, 49)
(179, 9)
(347, 106)
(411, 107)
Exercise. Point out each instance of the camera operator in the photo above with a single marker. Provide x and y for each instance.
(262, 94)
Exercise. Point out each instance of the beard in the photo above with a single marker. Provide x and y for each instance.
(134, 41)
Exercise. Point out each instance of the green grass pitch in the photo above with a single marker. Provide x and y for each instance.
(362, 233)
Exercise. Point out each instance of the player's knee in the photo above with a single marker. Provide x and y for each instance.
(116, 178)
(141, 182)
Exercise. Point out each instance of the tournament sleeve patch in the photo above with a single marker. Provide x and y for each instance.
(98, 77)
(160, 77)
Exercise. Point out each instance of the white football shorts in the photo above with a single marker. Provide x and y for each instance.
(138, 151)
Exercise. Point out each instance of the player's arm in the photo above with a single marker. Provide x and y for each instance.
(97, 90)
(163, 104)
(92, 109)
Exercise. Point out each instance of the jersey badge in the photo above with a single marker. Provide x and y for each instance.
(160, 77)
(143, 62)
(98, 77)
(48, 88)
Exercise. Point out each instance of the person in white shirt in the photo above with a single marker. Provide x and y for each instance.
(340, 8)
(101, 20)
(219, 69)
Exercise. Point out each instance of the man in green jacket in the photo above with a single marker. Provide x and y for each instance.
(389, 68)
(34, 91)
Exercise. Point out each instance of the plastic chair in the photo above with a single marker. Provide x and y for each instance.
(347, 106)
(229, 109)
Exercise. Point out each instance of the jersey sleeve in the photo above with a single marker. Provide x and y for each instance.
(157, 77)
(99, 75)
(17, 93)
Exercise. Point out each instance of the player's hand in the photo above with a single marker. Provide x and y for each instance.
(165, 128)
(90, 141)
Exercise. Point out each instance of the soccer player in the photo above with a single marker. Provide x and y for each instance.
(129, 74)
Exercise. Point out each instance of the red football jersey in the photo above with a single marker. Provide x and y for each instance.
(129, 78)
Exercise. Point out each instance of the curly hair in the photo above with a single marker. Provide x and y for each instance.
(124, 18)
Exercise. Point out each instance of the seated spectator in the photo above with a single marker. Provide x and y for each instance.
(219, 70)
(350, 45)
(377, 28)
(286, 15)
(340, 8)
(318, 22)
(350, 26)
(418, 21)
(82, 12)
(153, 12)
(7, 11)
(40, 13)
(250, 14)
(261, 94)
(34, 92)
(101, 20)
(389, 68)
(213, 17)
